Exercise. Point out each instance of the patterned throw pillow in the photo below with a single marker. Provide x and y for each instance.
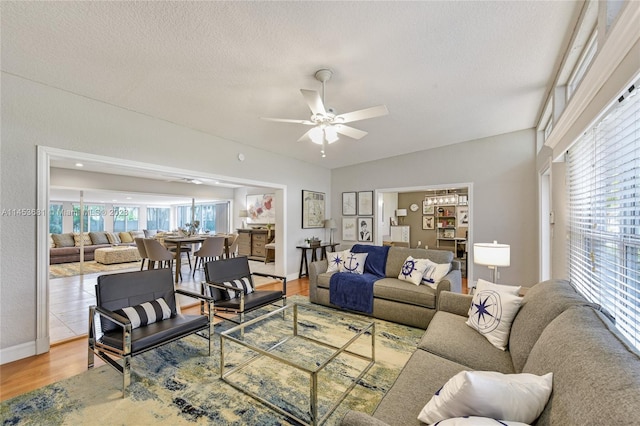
(146, 313)
(353, 263)
(335, 260)
(434, 273)
(235, 287)
(492, 312)
(113, 238)
(77, 239)
(413, 270)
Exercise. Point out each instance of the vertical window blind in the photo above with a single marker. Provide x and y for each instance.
(604, 214)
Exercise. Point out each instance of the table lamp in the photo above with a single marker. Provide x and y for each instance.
(492, 255)
(330, 224)
(243, 214)
(401, 213)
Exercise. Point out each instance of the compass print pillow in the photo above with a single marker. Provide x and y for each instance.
(492, 313)
(335, 259)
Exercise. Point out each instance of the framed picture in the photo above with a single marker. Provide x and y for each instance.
(312, 209)
(365, 229)
(349, 204)
(427, 208)
(428, 222)
(365, 203)
(449, 233)
(462, 218)
(349, 231)
(261, 208)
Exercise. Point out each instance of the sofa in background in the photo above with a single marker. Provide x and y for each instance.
(396, 300)
(596, 374)
(65, 248)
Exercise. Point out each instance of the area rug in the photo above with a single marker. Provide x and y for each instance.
(61, 270)
(179, 384)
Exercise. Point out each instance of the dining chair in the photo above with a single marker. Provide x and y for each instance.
(159, 253)
(212, 249)
(185, 248)
(142, 251)
(233, 245)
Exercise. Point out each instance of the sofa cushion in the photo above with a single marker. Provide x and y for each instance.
(518, 397)
(449, 337)
(492, 313)
(376, 258)
(64, 251)
(63, 240)
(113, 238)
(404, 292)
(541, 304)
(596, 376)
(98, 237)
(126, 237)
(81, 239)
(148, 233)
(397, 256)
(52, 243)
(413, 270)
(324, 280)
(420, 378)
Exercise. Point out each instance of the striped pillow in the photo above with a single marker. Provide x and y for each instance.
(146, 313)
(234, 286)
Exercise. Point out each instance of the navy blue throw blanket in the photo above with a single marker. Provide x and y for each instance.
(355, 291)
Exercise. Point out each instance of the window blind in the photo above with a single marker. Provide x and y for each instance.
(604, 214)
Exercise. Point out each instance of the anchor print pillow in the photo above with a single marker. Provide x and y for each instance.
(353, 263)
(335, 260)
(492, 312)
(412, 270)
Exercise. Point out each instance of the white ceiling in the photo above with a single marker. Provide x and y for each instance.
(447, 71)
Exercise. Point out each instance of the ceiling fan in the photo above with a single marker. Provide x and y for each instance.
(325, 121)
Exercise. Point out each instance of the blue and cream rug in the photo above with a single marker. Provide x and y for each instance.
(179, 384)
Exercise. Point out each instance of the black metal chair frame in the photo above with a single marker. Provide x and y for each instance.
(119, 355)
(219, 271)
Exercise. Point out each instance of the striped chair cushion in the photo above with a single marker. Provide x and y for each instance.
(233, 286)
(146, 313)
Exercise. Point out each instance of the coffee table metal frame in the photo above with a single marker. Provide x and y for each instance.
(313, 373)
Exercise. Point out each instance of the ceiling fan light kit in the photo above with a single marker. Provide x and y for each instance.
(326, 123)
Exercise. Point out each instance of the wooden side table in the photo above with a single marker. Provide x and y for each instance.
(304, 263)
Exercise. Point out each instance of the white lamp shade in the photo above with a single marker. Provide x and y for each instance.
(330, 224)
(492, 254)
(243, 213)
(401, 212)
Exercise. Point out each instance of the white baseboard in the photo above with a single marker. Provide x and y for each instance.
(17, 352)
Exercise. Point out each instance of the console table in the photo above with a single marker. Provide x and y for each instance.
(304, 263)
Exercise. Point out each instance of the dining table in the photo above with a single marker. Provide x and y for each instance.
(180, 241)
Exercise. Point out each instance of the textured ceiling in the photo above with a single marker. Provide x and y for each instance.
(447, 71)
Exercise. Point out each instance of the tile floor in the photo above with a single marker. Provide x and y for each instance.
(70, 298)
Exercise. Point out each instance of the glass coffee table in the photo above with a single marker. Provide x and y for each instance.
(299, 360)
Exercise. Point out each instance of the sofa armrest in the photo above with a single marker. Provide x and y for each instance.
(450, 282)
(315, 269)
(358, 418)
(454, 303)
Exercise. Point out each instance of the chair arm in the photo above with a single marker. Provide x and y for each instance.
(454, 303)
(118, 319)
(194, 294)
(221, 287)
(278, 277)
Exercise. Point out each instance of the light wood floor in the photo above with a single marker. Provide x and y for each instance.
(70, 357)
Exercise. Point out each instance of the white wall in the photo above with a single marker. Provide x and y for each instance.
(504, 208)
(33, 114)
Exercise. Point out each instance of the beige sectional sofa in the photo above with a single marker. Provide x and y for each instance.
(596, 374)
(65, 248)
(395, 300)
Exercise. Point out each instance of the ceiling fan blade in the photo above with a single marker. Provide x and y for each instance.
(306, 136)
(286, 120)
(350, 131)
(362, 114)
(314, 101)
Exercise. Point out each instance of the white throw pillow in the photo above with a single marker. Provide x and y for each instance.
(491, 314)
(335, 260)
(413, 270)
(486, 285)
(513, 397)
(435, 272)
(476, 421)
(353, 262)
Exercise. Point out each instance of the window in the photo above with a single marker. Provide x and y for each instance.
(604, 214)
(213, 217)
(158, 218)
(125, 218)
(55, 218)
(93, 220)
(583, 64)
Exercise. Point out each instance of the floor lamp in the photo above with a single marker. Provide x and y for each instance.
(244, 214)
(492, 255)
